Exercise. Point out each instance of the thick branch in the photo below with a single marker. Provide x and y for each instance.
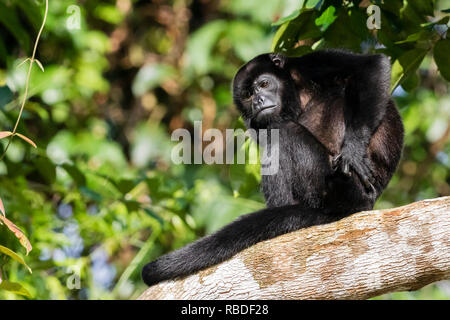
(364, 255)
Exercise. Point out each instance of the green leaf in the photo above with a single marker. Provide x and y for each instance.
(300, 51)
(259, 11)
(14, 256)
(313, 4)
(6, 96)
(277, 42)
(46, 168)
(303, 27)
(406, 64)
(32, 11)
(17, 232)
(290, 17)
(390, 31)
(392, 6)
(411, 16)
(54, 78)
(3, 52)
(430, 25)
(441, 55)
(150, 76)
(132, 205)
(126, 185)
(9, 18)
(326, 18)
(348, 31)
(154, 215)
(247, 39)
(77, 176)
(411, 82)
(91, 194)
(423, 34)
(358, 23)
(423, 7)
(14, 287)
(309, 29)
(108, 13)
(200, 46)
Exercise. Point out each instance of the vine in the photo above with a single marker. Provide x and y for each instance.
(32, 59)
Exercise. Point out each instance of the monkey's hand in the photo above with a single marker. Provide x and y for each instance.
(348, 162)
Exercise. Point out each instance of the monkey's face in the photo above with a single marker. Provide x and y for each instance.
(261, 99)
(261, 91)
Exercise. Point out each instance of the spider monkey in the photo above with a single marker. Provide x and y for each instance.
(341, 139)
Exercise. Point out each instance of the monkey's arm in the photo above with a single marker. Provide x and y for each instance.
(366, 81)
(242, 233)
(367, 96)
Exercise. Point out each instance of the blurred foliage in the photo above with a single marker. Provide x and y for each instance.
(99, 196)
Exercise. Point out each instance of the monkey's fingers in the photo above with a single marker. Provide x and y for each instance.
(336, 161)
(365, 175)
(367, 184)
(346, 168)
(342, 163)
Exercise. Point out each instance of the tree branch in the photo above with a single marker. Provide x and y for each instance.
(361, 256)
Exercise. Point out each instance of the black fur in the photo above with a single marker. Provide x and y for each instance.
(341, 139)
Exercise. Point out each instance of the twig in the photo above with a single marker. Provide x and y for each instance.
(32, 60)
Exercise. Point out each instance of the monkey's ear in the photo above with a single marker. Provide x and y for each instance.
(278, 59)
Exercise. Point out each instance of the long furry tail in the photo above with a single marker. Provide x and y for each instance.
(242, 233)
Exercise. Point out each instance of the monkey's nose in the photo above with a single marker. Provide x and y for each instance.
(259, 101)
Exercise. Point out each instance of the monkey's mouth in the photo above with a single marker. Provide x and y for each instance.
(264, 110)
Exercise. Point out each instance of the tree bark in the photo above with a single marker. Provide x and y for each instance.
(364, 255)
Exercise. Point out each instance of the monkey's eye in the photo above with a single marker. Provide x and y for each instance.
(246, 94)
(264, 84)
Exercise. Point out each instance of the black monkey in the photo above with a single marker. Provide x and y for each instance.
(341, 139)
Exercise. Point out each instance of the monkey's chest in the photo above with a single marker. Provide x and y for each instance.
(302, 170)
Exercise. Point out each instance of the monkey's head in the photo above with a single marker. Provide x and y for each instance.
(264, 92)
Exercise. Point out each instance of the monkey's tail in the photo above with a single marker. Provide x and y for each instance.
(242, 233)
